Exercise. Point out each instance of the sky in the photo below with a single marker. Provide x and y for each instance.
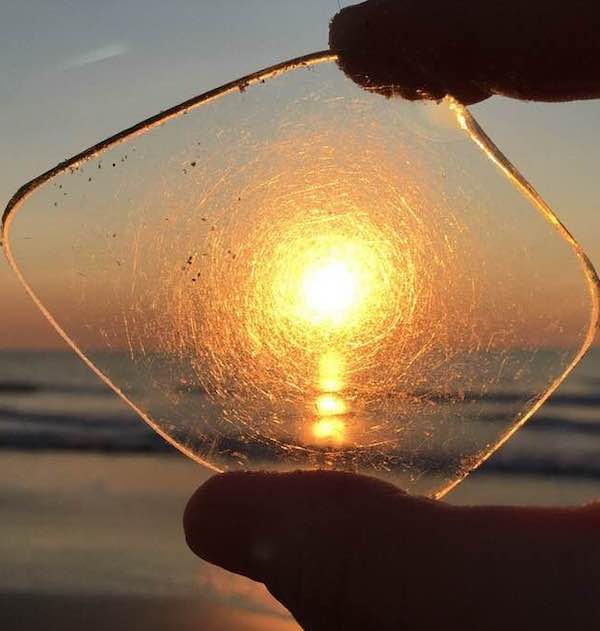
(74, 72)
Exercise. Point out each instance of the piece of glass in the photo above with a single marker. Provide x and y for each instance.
(292, 272)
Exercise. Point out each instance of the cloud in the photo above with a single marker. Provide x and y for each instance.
(95, 55)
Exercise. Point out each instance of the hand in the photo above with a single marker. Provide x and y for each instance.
(351, 553)
(545, 50)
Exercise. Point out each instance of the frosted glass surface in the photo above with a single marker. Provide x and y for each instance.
(296, 273)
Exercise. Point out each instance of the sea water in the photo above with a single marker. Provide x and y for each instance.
(51, 401)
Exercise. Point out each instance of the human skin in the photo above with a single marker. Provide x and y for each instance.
(543, 50)
(344, 552)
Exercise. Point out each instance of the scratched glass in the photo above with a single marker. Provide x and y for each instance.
(291, 272)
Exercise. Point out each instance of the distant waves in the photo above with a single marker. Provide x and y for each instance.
(27, 430)
(51, 401)
(125, 433)
(32, 387)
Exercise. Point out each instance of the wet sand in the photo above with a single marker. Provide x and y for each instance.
(59, 612)
(95, 541)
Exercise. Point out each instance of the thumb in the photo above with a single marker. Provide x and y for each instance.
(543, 50)
(347, 552)
(320, 541)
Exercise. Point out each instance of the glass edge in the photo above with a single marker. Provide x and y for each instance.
(465, 120)
(72, 163)
(468, 123)
(160, 118)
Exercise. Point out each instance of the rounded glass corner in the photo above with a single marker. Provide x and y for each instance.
(291, 272)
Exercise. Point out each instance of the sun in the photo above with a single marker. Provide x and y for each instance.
(326, 287)
(329, 291)
(327, 282)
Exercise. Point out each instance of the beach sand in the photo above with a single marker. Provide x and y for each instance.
(95, 541)
(54, 612)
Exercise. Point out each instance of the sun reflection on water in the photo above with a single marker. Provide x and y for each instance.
(331, 371)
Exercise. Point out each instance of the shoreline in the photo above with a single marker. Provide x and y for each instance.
(96, 541)
(67, 612)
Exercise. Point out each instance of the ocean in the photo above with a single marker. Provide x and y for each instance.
(51, 401)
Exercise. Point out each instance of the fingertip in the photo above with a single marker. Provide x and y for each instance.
(218, 518)
(344, 28)
(372, 58)
(392, 48)
(230, 512)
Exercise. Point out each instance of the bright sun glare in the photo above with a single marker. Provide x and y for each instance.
(329, 290)
(329, 282)
(332, 281)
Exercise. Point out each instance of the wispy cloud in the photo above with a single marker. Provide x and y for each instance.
(95, 55)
